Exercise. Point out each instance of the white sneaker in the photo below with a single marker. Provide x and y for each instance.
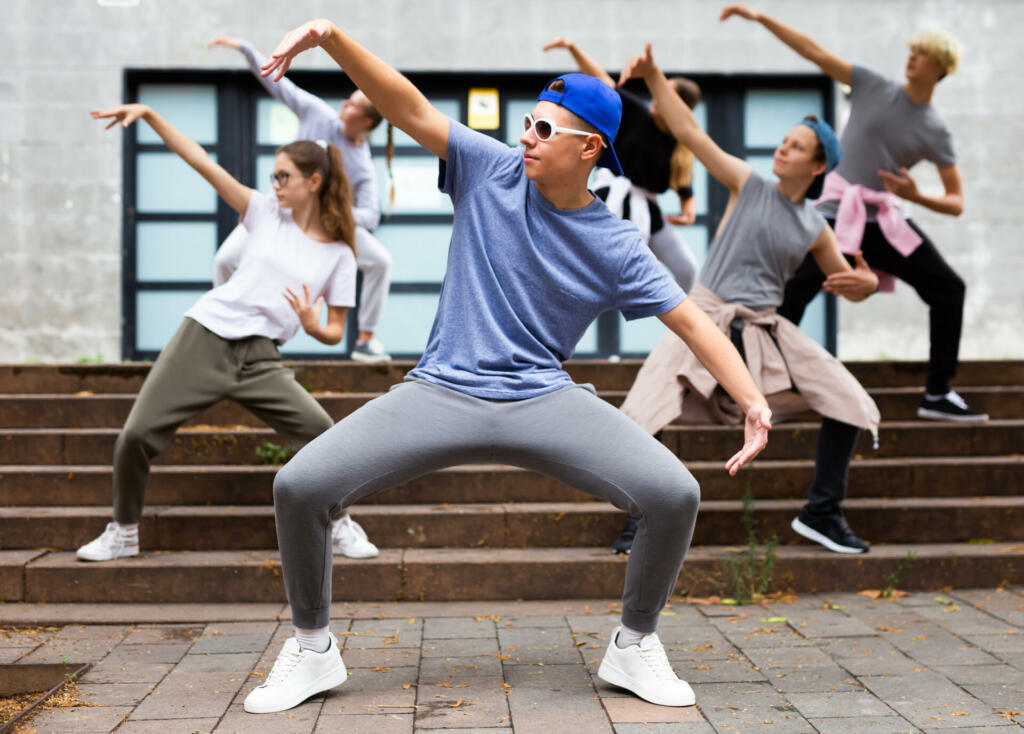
(370, 351)
(644, 669)
(297, 674)
(115, 542)
(349, 539)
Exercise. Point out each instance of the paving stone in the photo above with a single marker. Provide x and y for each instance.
(240, 662)
(786, 657)
(717, 671)
(114, 694)
(79, 719)
(975, 730)
(440, 668)
(596, 624)
(636, 710)
(846, 704)
(184, 695)
(117, 671)
(474, 730)
(459, 648)
(538, 621)
(696, 643)
(164, 726)
(930, 700)
(999, 643)
(868, 656)
(470, 701)
(982, 674)
(32, 637)
(78, 643)
(165, 653)
(1007, 605)
(868, 725)
(371, 724)
(752, 632)
(369, 691)
(13, 654)
(434, 629)
(267, 627)
(829, 677)
(748, 707)
(933, 645)
(388, 657)
(299, 720)
(547, 645)
(211, 643)
(690, 727)
(377, 633)
(964, 620)
(554, 698)
(161, 634)
(1005, 698)
(828, 623)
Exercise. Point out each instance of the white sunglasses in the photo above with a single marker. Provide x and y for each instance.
(546, 129)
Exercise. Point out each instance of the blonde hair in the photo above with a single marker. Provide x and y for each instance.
(940, 46)
(680, 167)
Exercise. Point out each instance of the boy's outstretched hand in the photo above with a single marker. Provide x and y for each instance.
(640, 66)
(755, 433)
(308, 35)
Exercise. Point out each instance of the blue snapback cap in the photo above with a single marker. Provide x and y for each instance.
(594, 101)
(833, 153)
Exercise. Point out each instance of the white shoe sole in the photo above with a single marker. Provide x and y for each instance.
(938, 415)
(331, 679)
(812, 534)
(356, 556)
(94, 559)
(610, 673)
(370, 358)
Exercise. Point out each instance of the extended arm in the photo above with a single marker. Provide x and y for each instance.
(853, 283)
(730, 170)
(234, 194)
(904, 186)
(835, 67)
(394, 96)
(719, 356)
(586, 64)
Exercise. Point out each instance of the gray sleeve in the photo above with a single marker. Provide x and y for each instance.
(863, 80)
(298, 100)
(366, 198)
(943, 152)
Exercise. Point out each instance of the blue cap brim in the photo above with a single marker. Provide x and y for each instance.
(610, 161)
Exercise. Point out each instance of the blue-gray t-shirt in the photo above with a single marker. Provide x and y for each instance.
(525, 279)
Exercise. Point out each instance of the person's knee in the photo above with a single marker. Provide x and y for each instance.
(133, 440)
(287, 487)
(679, 497)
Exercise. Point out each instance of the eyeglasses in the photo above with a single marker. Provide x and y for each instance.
(280, 178)
(546, 129)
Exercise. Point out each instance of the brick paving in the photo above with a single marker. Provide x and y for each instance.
(949, 661)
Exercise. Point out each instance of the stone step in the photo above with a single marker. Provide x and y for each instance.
(691, 443)
(78, 485)
(110, 410)
(248, 485)
(528, 525)
(342, 376)
(485, 574)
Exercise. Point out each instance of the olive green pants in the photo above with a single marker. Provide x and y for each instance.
(196, 369)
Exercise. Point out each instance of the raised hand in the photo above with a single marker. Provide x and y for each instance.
(560, 42)
(755, 434)
(308, 312)
(308, 35)
(226, 41)
(739, 9)
(640, 66)
(853, 285)
(126, 114)
(687, 215)
(904, 185)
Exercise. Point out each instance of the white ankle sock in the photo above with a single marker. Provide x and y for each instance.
(130, 529)
(317, 640)
(627, 637)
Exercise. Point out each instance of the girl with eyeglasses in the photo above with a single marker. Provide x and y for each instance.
(348, 129)
(652, 162)
(293, 262)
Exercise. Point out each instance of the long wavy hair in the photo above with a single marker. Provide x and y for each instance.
(335, 193)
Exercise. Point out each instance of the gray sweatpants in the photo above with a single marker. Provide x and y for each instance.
(419, 427)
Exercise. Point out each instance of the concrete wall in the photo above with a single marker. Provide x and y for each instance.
(60, 173)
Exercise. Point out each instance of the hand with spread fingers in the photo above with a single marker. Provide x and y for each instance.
(307, 310)
(904, 185)
(853, 285)
(126, 114)
(308, 35)
(639, 67)
(740, 10)
(755, 434)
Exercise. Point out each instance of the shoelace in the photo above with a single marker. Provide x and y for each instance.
(283, 667)
(954, 397)
(658, 662)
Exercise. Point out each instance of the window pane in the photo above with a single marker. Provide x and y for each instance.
(264, 167)
(515, 109)
(275, 123)
(405, 324)
(696, 238)
(303, 343)
(813, 322)
(419, 251)
(168, 184)
(379, 137)
(158, 315)
(191, 108)
(639, 336)
(762, 165)
(587, 346)
(415, 180)
(175, 250)
(770, 113)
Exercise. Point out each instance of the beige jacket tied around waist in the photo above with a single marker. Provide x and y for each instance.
(791, 360)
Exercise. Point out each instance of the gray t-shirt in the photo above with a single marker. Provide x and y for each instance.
(763, 242)
(319, 121)
(888, 131)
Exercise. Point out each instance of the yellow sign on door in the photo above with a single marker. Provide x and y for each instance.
(484, 107)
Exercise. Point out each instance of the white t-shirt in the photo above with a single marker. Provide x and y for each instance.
(278, 255)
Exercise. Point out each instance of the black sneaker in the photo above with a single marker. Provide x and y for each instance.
(829, 530)
(624, 544)
(949, 407)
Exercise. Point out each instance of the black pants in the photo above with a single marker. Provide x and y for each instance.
(836, 443)
(925, 271)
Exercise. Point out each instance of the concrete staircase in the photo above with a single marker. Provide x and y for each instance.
(952, 495)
